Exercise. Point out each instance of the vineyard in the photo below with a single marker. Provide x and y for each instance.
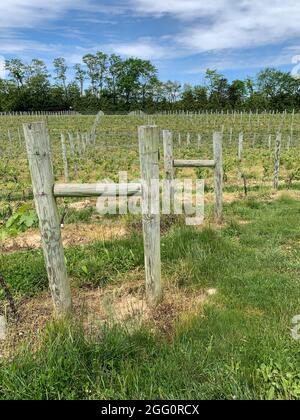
(230, 286)
(116, 147)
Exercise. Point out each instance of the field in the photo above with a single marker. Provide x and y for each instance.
(223, 330)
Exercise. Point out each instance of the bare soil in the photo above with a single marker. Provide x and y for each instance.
(125, 305)
(72, 235)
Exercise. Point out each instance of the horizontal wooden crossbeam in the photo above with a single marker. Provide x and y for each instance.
(194, 163)
(97, 190)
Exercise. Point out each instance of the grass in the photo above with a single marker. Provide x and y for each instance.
(93, 265)
(238, 347)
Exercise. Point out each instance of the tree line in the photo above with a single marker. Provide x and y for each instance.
(113, 84)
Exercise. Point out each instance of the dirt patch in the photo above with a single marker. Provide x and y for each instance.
(295, 194)
(78, 234)
(245, 222)
(124, 305)
(81, 205)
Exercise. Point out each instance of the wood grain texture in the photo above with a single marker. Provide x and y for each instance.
(97, 190)
(40, 163)
(149, 159)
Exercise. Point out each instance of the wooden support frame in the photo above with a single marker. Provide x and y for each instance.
(216, 164)
(46, 191)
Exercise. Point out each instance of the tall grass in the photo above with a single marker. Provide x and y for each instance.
(239, 347)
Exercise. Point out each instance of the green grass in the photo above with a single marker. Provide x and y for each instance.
(239, 348)
(94, 265)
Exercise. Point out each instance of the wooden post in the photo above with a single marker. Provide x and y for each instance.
(64, 156)
(71, 141)
(3, 327)
(277, 161)
(40, 164)
(199, 141)
(188, 139)
(241, 146)
(288, 145)
(149, 156)
(19, 136)
(169, 167)
(218, 157)
(270, 141)
(179, 139)
(230, 135)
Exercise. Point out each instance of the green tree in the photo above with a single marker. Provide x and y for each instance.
(200, 97)
(135, 75)
(96, 69)
(188, 99)
(172, 91)
(60, 69)
(218, 87)
(237, 92)
(17, 71)
(80, 77)
(113, 75)
(147, 78)
(278, 87)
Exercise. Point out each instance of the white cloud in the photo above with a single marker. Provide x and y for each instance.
(187, 9)
(218, 26)
(224, 24)
(12, 45)
(143, 48)
(2, 67)
(29, 13)
(240, 60)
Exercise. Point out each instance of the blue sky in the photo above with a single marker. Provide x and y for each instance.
(182, 37)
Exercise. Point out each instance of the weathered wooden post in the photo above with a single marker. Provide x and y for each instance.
(241, 146)
(3, 327)
(64, 156)
(270, 141)
(149, 157)
(288, 145)
(169, 167)
(230, 135)
(188, 139)
(218, 157)
(71, 141)
(277, 161)
(40, 164)
(199, 141)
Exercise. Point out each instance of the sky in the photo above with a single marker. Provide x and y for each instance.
(181, 37)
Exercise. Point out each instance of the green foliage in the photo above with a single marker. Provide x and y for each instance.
(21, 220)
(116, 84)
(277, 382)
